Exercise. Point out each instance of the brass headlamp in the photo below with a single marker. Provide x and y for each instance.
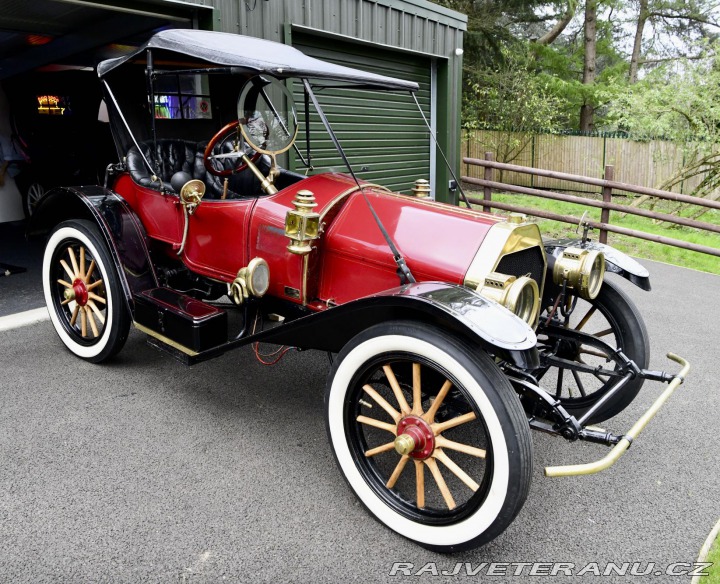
(583, 269)
(519, 295)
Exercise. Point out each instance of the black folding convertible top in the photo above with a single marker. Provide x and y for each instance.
(255, 55)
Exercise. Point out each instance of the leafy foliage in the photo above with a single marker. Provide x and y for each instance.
(511, 98)
(680, 103)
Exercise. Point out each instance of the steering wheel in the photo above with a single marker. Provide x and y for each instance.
(218, 138)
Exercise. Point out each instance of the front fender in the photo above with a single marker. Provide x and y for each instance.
(119, 225)
(451, 307)
(615, 261)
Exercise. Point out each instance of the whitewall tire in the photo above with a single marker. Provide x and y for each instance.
(464, 472)
(83, 292)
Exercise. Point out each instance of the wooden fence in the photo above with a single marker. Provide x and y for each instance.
(487, 169)
(647, 164)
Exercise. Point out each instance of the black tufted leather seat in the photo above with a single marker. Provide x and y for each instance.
(173, 156)
(169, 157)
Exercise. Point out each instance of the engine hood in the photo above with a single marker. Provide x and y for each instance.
(351, 259)
(438, 241)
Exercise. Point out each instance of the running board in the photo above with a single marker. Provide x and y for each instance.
(621, 447)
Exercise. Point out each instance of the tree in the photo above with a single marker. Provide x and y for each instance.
(676, 26)
(680, 102)
(590, 43)
(512, 99)
(561, 24)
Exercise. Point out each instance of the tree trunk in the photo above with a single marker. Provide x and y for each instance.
(635, 57)
(560, 25)
(587, 110)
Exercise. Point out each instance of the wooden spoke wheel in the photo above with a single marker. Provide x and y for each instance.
(82, 292)
(429, 434)
(613, 318)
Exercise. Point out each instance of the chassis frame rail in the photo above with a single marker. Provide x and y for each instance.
(621, 447)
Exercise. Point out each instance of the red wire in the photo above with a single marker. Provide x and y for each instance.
(281, 351)
(256, 348)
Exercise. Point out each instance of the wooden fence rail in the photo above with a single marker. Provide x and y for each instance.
(606, 205)
(647, 163)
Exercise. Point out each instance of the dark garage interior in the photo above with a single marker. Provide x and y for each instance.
(50, 101)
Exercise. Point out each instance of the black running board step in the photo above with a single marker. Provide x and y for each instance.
(184, 323)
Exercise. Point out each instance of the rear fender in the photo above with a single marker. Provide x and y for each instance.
(450, 307)
(615, 261)
(119, 225)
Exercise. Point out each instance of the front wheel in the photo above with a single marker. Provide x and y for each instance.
(610, 317)
(429, 434)
(83, 292)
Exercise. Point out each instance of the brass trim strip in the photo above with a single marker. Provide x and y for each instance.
(164, 339)
(619, 449)
(456, 209)
(350, 191)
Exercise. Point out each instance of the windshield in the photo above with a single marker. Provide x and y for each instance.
(267, 116)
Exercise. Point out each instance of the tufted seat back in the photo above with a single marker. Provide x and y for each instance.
(169, 157)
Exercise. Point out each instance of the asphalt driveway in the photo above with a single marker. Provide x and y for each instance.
(143, 470)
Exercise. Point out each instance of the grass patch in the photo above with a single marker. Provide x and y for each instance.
(632, 246)
(714, 570)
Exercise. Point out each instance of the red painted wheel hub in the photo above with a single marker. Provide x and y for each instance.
(421, 433)
(81, 292)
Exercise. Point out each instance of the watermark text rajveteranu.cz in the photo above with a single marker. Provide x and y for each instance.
(551, 569)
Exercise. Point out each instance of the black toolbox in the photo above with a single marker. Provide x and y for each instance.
(185, 321)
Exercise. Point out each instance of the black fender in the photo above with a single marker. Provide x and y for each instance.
(615, 261)
(450, 307)
(119, 225)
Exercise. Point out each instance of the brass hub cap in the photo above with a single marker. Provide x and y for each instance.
(415, 438)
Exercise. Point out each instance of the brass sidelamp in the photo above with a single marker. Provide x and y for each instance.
(302, 224)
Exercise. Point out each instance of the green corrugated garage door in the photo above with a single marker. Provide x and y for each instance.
(382, 133)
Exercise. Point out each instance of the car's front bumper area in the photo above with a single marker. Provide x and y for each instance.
(627, 439)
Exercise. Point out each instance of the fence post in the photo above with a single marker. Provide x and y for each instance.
(488, 175)
(607, 198)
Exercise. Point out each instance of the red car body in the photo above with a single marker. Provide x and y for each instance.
(352, 259)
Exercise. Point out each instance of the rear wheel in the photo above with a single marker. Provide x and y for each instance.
(83, 293)
(429, 435)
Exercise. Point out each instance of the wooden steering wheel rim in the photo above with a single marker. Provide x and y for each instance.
(221, 134)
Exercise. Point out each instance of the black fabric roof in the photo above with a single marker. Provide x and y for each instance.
(255, 55)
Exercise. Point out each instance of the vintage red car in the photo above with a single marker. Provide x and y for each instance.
(452, 332)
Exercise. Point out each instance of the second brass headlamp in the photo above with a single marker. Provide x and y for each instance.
(583, 269)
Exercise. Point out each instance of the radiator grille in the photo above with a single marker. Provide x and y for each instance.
(521, 263)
